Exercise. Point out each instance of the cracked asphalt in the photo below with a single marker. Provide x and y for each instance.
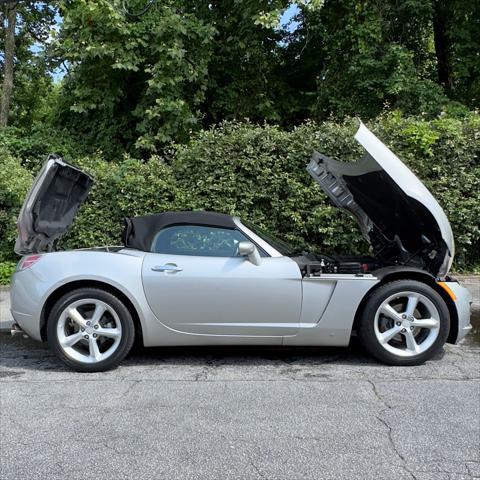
(239, 413)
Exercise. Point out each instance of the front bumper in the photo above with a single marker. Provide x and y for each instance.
(462, 305)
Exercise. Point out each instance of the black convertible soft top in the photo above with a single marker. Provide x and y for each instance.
(139, 232)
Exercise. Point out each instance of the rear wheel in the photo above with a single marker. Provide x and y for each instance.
(90, 330)
(404, 322)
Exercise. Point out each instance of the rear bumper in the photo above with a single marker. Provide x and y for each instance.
(462, 304)
(26, 295)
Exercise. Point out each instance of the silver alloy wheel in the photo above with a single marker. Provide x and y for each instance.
(89, 330)
(407, 324)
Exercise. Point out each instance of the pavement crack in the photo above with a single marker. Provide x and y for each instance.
(469, 470)
(254, 465)
(112, 448)
(388, 406)
(60, 468)
(133, 384)
(309, 380)
(378, 396)
(394, 446)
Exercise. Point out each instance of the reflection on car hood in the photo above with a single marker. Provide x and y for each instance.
(397, 214)
(50, 206)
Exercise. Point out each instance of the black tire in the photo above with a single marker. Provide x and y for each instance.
(124, 316)
(366, 324)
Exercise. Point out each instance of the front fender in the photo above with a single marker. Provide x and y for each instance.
(401, 270)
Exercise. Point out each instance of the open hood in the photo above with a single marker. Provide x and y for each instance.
(50, 206)
(398, 216)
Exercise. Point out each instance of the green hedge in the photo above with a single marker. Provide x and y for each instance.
(6, 271)
(15, 181)
(33, 145)
(258, 172)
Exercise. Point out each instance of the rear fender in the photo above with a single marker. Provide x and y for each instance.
(34, 289)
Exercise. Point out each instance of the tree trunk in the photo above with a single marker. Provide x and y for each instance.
(442, 42)
(7, 87)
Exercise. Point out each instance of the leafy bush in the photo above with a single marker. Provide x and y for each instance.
(258, 173)
(445, 154)
(31, 146)
(15, 181)
(6, 271)
(122, 189)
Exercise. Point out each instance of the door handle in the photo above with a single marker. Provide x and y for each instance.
(169, 267)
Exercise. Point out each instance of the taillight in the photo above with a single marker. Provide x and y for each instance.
(28, 261)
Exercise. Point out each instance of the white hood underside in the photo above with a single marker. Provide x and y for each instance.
(396, 213)
(407, 181)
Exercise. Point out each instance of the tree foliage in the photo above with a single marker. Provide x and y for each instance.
(377, 54)
(31, 82)
(132, 81)
(140, 73)
(218, 104)
(242, 81)
(463, 51)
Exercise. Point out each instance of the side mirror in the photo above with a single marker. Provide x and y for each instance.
(248, 249)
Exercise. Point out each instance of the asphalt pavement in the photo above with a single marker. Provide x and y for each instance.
(239, 413)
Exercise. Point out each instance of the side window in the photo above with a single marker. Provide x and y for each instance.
(198, 240)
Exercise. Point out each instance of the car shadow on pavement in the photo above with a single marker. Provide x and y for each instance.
(233, 355)
(26, 354)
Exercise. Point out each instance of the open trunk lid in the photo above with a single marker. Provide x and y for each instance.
(398, 216)
(50, 206)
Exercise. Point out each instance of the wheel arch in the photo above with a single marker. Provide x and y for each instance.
(74, 285)
(386, 275)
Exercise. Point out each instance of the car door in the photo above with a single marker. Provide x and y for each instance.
(196, 283)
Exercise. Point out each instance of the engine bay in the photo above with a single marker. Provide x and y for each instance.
(313, 265)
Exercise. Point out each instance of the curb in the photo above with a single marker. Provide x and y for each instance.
(6, 319)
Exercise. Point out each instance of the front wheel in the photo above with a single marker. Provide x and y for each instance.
(90, 330)
(404, 322)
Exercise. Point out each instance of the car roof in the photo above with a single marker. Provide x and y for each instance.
(139, 231)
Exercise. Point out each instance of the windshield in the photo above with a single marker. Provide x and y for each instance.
(282, 246)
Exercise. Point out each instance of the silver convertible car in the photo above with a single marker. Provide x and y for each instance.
(201, 278)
